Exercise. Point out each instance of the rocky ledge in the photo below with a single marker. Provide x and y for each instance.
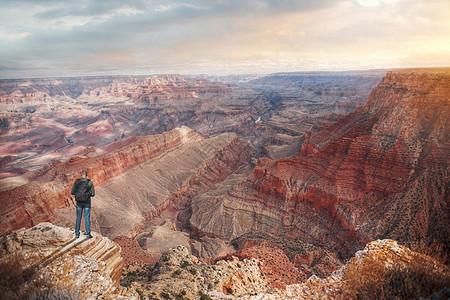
(84, 267)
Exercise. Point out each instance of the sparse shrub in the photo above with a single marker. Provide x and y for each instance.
(176, 273)
(127, 279)
(181, 295)
(165, 295)
(12, 277)
(204, 296)
(434, 250)
(51, 295)
(17, 282)
(381, 277)
(140, 293)
(184, 264)
(147, 272)
(193, 271)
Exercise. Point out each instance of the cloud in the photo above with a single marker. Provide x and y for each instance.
(92, 36)
(89, 8)
(426, 59)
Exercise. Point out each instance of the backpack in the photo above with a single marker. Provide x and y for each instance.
(82, 193)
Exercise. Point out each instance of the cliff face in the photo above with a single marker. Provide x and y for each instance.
(381, 171)
(48, 189)
(88, 267)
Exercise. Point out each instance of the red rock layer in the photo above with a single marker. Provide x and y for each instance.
(380, 172)
(133, 254)
(49, 188)
(276, 268)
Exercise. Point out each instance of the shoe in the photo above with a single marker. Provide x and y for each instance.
(77, 236)
(89, 236)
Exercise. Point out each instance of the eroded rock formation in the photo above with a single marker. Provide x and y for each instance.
(86, 267)
(176, 164)
(381, 171)
(384, 270)
(179, 274)
(45, 120)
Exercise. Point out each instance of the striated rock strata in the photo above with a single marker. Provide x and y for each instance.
(86, 267)
(49, 119)
(45, 120)
(164, 170)
(381, 171)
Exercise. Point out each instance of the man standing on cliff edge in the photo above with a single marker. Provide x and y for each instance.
(83, 189)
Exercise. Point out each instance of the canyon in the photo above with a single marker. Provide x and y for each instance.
(379, 172)
(297, 171)
(44, 120)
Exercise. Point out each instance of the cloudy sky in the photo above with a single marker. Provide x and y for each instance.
(92, 37)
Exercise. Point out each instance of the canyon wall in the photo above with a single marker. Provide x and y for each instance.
(48, 189)
(379, 172)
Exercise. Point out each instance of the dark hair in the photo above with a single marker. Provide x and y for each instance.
(84, 172)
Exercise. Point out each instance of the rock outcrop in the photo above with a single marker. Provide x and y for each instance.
(90, 268)
(379, 172)
(383, 270)
(179, 274)
(276, 268)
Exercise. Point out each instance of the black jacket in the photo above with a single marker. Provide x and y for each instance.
(90, 185)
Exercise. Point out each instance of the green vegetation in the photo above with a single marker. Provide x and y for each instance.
(145, 273)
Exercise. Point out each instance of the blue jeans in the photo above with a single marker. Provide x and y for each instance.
(87, 218)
